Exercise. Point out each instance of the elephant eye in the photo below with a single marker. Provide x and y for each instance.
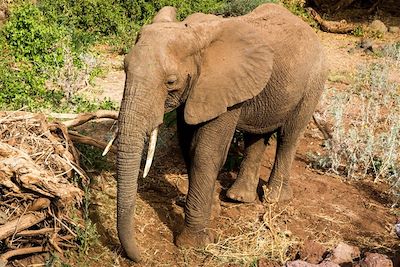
(171, 81)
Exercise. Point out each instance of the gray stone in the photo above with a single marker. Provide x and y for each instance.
(378, 26)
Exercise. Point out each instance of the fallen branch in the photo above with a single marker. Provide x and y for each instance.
(20, 224)
(18, 252)
(330, 26)
(83, 118)
(89, 141)
(19, 165)
(37, 232)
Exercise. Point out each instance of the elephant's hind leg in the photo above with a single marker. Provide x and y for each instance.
(288, 137)
(245, 187)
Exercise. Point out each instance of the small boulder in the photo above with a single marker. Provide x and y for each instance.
(397, 227)
(312, 252)
(267, 263)
(394, 29)
(344, 253)
(300, 263)
(366, 43)
(378, 26)
(375, 260)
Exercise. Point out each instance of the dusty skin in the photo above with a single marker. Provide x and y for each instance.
(326, 209)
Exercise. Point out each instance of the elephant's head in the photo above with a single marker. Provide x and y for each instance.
(205, 63)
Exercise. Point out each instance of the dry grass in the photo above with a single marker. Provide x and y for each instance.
(248, 239)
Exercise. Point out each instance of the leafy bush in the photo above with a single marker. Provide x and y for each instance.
(32, 38)
(35, 49)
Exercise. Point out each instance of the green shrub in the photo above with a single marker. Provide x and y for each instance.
(31, 38)
(240, 7)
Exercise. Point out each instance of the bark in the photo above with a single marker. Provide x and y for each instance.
(83, 118)
(19, 252)
(30, 176)
(20, 224)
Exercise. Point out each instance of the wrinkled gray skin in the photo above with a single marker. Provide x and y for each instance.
(260, 73)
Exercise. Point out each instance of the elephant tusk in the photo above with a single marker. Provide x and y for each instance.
(108, 147)
(150, 153)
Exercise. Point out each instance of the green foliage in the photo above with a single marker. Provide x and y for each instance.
(358, 31)
(91, 158)
(240, 7)
(297, 8)
(32, 38)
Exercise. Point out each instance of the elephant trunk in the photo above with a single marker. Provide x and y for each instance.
(131, 138)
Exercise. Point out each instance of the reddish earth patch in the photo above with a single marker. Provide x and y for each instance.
(325, 211)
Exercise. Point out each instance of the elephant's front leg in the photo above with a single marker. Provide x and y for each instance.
(209, 150)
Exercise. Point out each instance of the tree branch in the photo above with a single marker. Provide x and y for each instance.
(80, 119)
(330, 26)
(89, 141)
(20, 224)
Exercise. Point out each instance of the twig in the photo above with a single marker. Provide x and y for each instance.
(63, 224)
(38, 232)
(53, 242)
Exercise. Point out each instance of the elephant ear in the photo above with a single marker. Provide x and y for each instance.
(166, 14)
(236, 66)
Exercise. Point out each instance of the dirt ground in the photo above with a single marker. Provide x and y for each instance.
(326, 209)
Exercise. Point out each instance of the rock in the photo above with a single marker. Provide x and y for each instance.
(267, 263)
(300, 263)
(397, 227)
(344, 253)
(375, 260)
(378, 26)
(394, 29)
(366, 43)
(312, 252)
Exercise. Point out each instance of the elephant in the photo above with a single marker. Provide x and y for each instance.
(261, 73)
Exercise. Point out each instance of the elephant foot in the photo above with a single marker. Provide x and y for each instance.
(243, 191)
(194, 239)
(278, 193)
